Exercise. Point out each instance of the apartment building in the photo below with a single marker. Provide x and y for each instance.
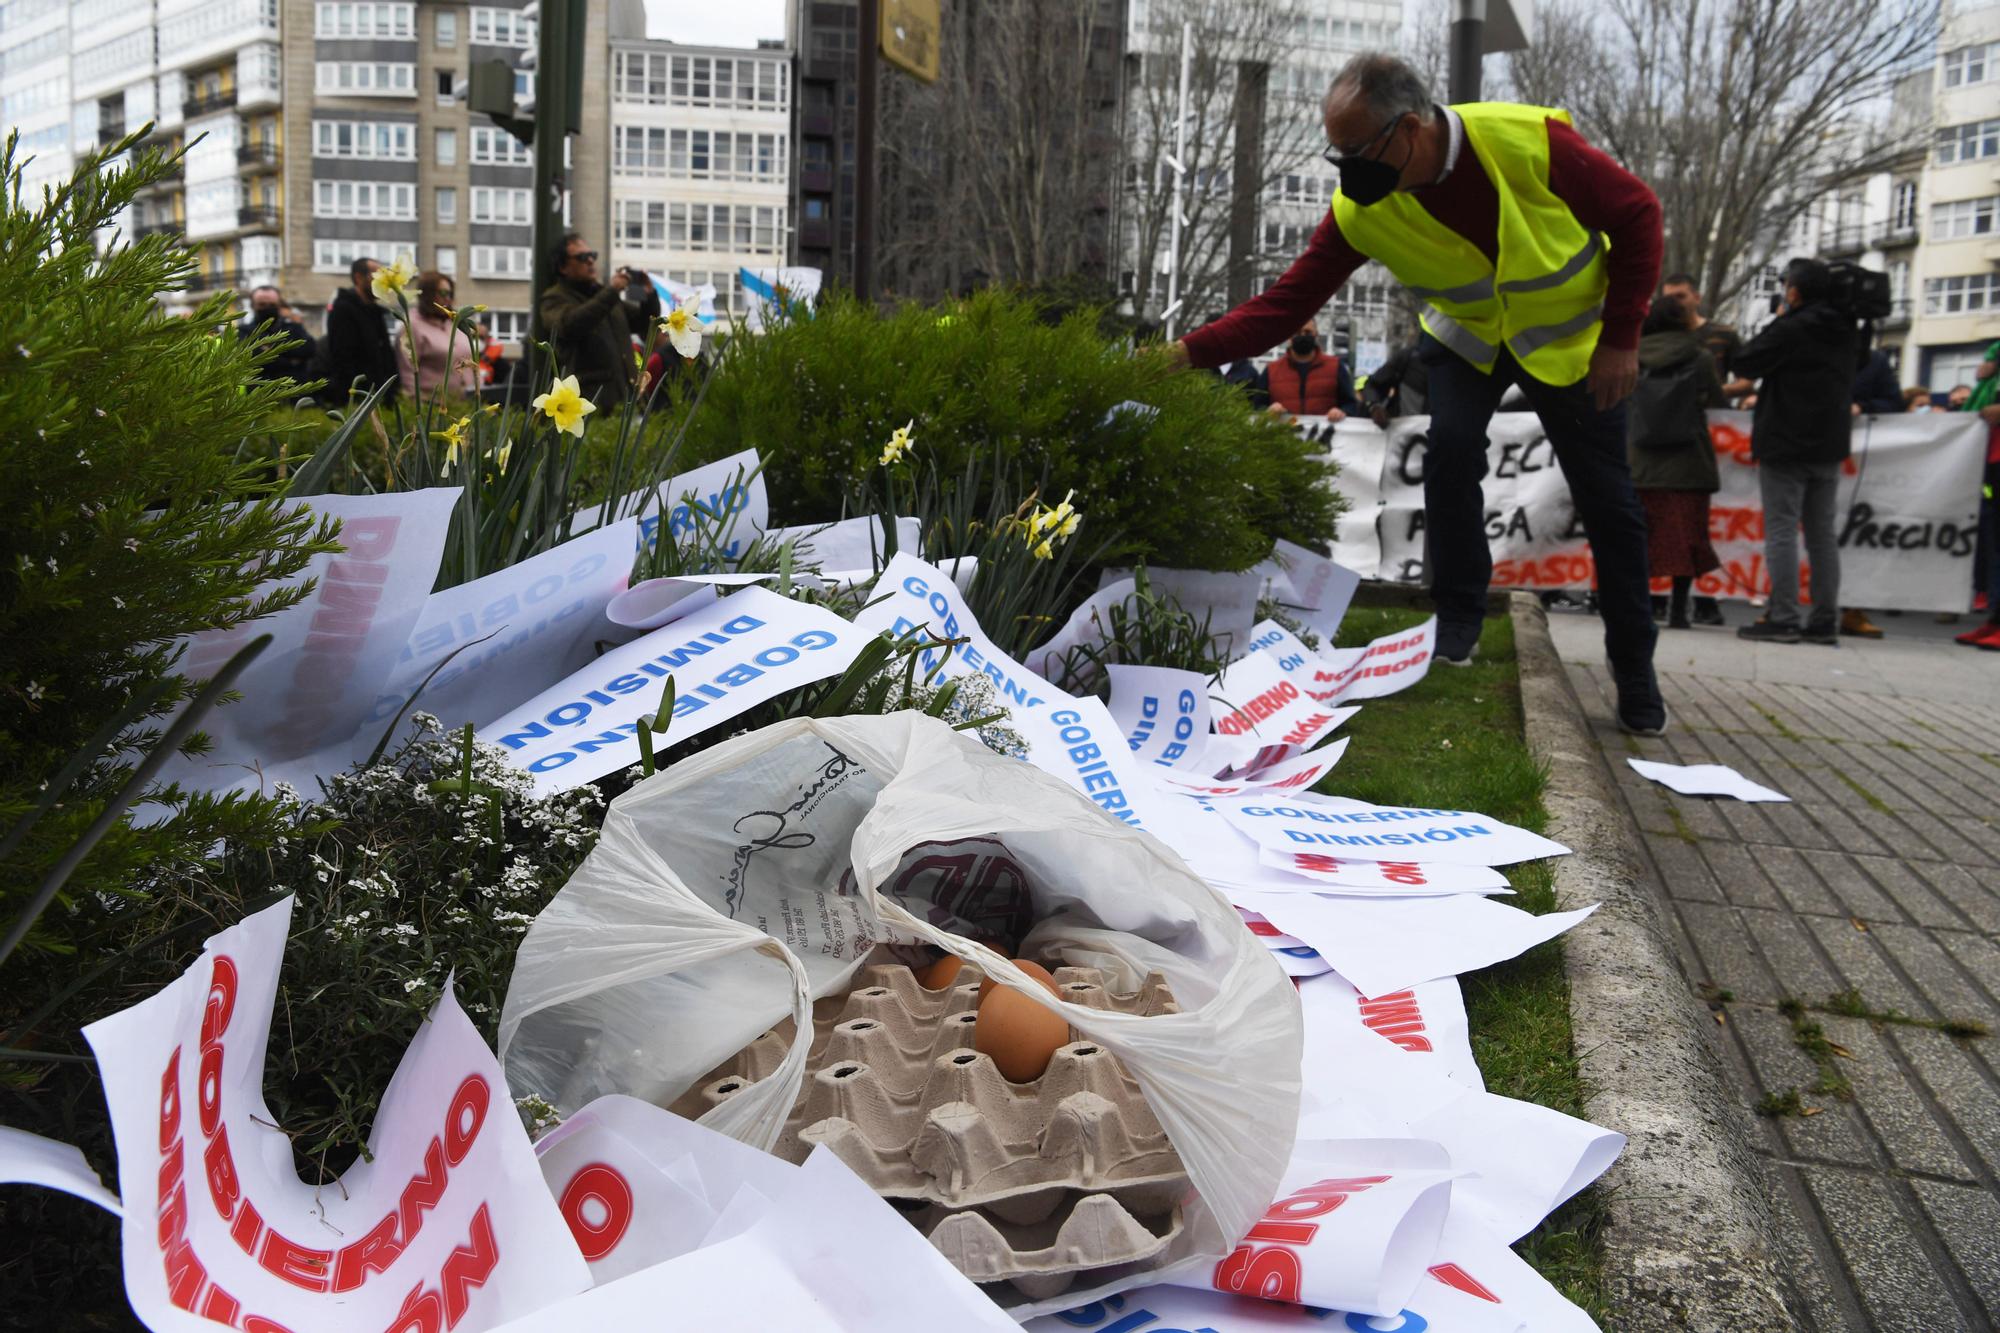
(1954, 279)
(34, 88)
(701, 160)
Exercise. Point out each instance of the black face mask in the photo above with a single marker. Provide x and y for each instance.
(1366, 179)
(264, 314)
(1303, 344)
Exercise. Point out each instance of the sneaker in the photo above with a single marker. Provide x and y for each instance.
(1855, 623)
(1706, 612)
(1641, 711)
(1980, 637)
(1765, 632)
(1456, 642)
(1827, 636)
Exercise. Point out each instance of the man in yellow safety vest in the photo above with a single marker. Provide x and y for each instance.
(1535, 256)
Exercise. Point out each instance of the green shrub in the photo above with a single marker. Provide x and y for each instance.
(1201, 482)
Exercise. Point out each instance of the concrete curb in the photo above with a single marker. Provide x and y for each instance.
(1686, 1241)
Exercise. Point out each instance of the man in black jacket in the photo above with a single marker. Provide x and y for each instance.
(591, 324)
(358, 353)
(294, 361)
(1799, 435)
(1400, 387)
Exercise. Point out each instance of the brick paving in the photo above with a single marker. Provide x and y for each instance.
(1877, 889)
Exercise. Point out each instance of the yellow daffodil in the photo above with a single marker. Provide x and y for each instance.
(454, 440)
(899, 443)
(393, 280)
(684, 327)
(501, 455)
(565, 405)
(490, 408)
(1043, 550)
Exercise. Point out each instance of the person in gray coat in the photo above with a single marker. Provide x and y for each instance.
(1672, 457)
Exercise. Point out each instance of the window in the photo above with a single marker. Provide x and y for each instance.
(661, 79)
(639, 150)
(361, 78)
(725, 227)
(1971, 64)
(1903, 207)
(501, 261)
(1899, 281)
(704, 155)
(494, 147)
(364, 138)
(447, 205)
(502, 27)
(508, 326)
(1970, 295)
(639, 223)
(335, 256)
(447, 86)
(503, 205)
(445, 33)
(1968, 143)
(447, 259)
(394, 200)
(198, 25)
(1963, 218)
(445, 153)
(394, 21)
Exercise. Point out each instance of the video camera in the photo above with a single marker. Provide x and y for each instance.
(1857, 292)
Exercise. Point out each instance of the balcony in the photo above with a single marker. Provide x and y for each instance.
(1897, 318)
(109, 133)
(1895, 235)
(257, 156)
(146, 229)
(215, 279)
(202, 106)
(816, 180)
(816, 121)
(1846, 241)
(257, 217)
(816, 233)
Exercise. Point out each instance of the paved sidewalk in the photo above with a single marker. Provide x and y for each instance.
(1806, 926)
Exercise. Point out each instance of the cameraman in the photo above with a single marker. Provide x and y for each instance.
(1806, 359)
(591, 324)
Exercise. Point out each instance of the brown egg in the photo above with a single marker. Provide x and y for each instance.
(1035, 970)
(941, 974)
(1019, 1034)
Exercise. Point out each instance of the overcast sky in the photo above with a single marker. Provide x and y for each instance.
(735, 23)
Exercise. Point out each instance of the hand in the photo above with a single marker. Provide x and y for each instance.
(1856, 408)
(620, 280)
(1614, 373)
(1379, 415)
(1739, 388)
(1990, 414)
(1335, 414)
(1171, 355)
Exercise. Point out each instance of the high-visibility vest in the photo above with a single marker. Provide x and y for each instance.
(1544, 300)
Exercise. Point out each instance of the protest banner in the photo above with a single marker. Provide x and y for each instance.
(1908, 515)
(332, 652)
(510, 631)
(724, 659)
(445, 1223)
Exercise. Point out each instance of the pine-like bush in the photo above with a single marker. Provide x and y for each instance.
(1199, 481)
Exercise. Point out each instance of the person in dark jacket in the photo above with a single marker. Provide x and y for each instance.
(1244, 375)
(293, 362)
(1875, 387)
(358, 354)
(591, 324)
(1672, 456)
(1805, 361)
(1308, 383)
(1722, 341)
(1400, 387)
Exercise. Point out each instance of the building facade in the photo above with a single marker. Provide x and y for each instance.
(1953, 279)
(701, 160)
(318, 131)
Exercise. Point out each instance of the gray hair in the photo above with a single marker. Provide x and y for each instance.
(1387, 85)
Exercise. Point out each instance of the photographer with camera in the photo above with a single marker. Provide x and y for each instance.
(591, 324)
(1806, 359)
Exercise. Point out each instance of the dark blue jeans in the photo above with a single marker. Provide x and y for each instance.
(1589, 446)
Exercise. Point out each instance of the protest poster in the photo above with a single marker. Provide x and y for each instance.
(1163, 712)
(30, 1159)
(1078, 742)
(1319, 873)
(330, 653)
(724, 659)
(1257, 700)
(731, 490)
(493, 640)
(851, 546)
(1907, 519)
(1356, 830)
(1426, 1022)
(1298, 773)
(445, 1221)
(1312, 589)
(913, 595)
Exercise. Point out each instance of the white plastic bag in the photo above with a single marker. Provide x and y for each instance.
(728, 892)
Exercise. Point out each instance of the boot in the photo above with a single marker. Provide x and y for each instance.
(1855, 623)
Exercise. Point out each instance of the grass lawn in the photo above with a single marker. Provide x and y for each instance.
(1455, 742)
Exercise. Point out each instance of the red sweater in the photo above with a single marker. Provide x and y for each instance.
(1603, 195)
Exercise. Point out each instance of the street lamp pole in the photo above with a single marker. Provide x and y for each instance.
(1171, 315)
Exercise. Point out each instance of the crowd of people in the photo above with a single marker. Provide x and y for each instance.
(368, 344)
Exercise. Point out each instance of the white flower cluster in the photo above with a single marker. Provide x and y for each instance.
(975, 698)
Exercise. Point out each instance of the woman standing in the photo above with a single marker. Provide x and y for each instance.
(446, 362)
(1672, 457)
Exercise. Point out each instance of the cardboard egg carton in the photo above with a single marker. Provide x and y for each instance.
(1027, 1183)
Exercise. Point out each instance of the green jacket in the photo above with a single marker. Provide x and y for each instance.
(1679, 469)
(591, 328)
